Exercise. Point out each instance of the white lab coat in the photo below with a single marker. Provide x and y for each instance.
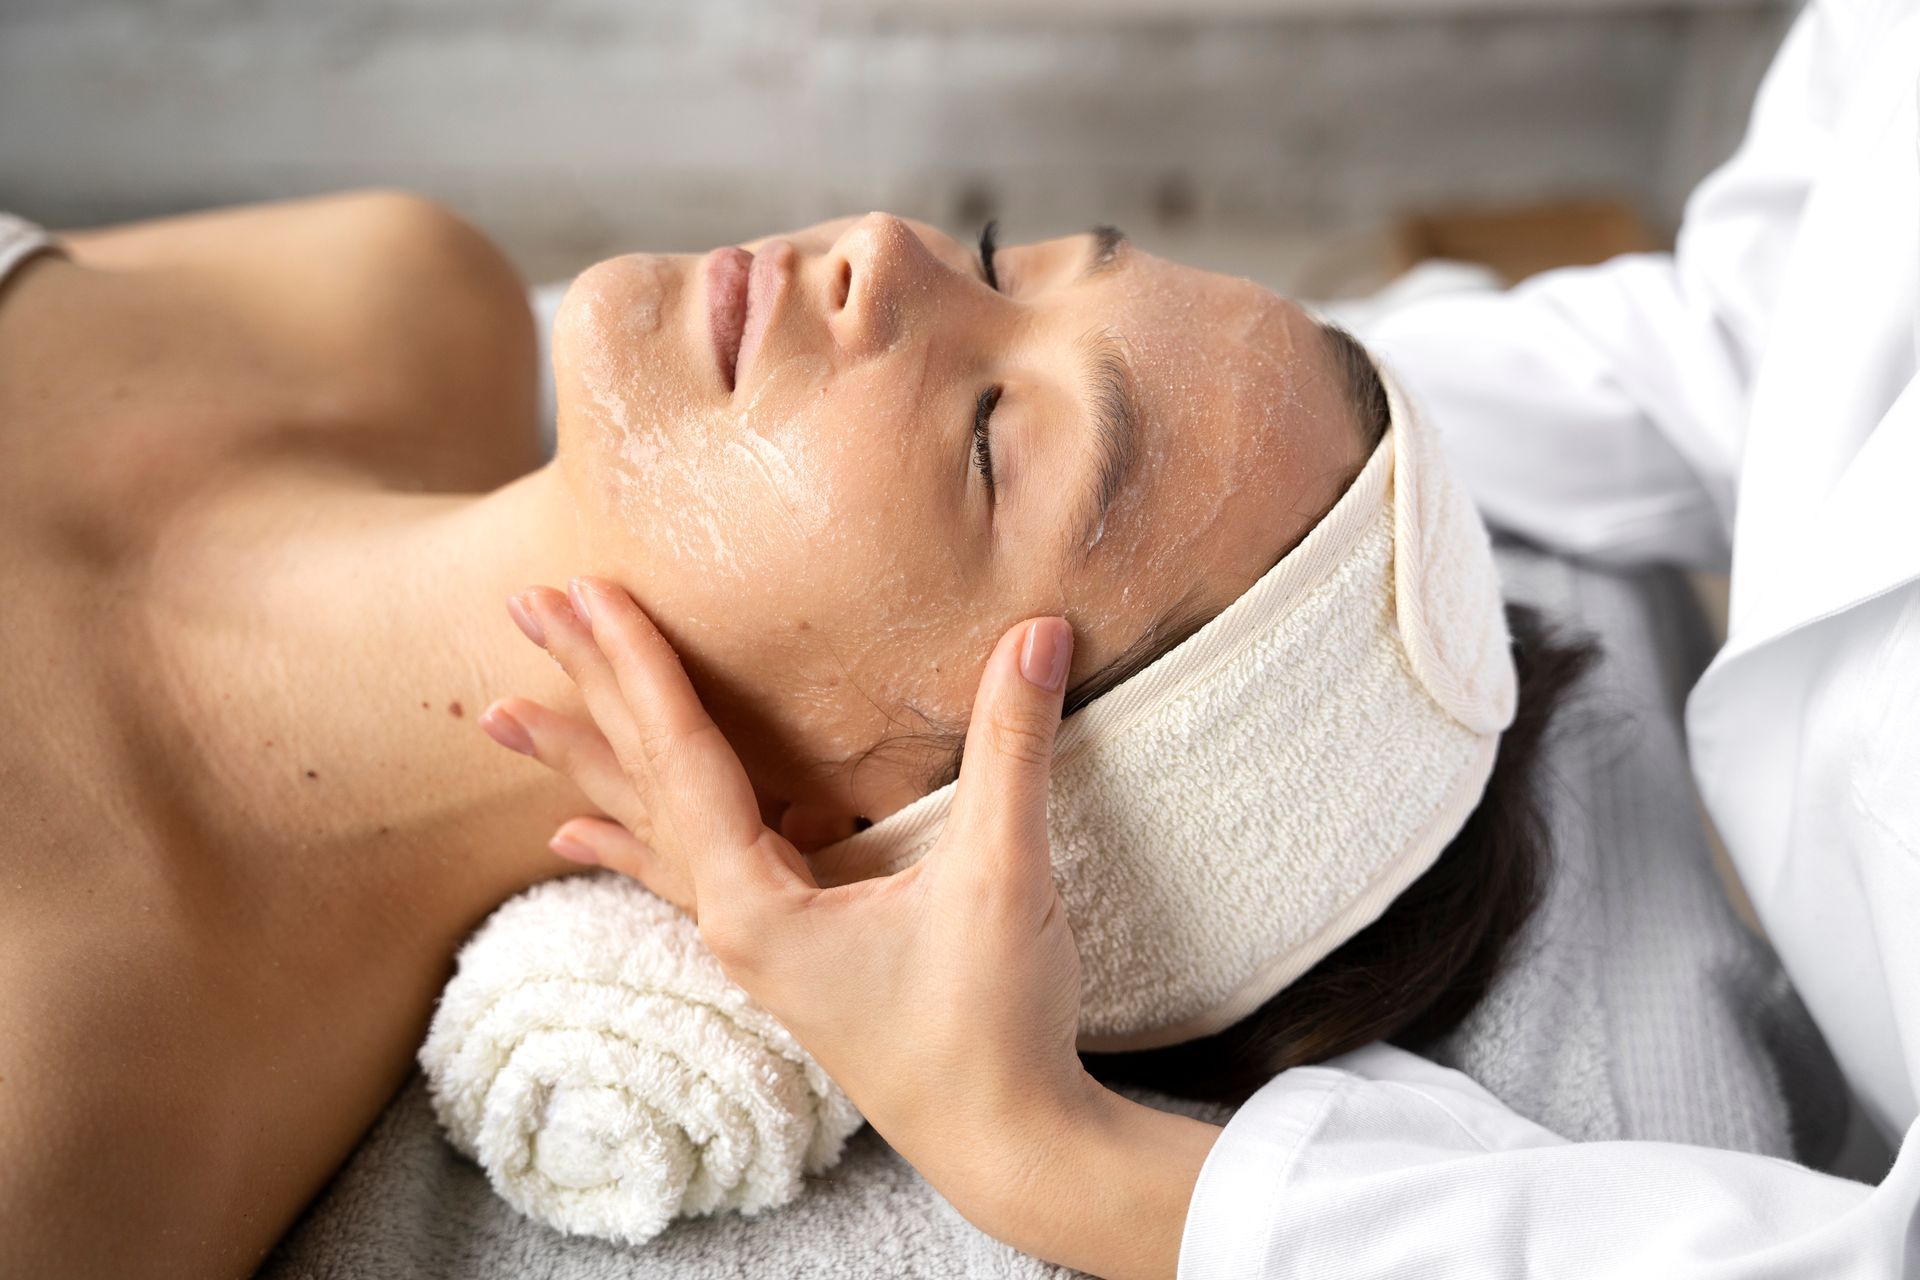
(1752, 396)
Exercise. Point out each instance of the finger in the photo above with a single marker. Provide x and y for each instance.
(571, 747)
(567, 635)
(1001, 800)
(604, 843)
(700, 801)
(694, 768)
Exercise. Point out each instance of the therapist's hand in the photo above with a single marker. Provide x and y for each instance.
(944, 999)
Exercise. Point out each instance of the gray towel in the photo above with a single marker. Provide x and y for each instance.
(1642, 1009)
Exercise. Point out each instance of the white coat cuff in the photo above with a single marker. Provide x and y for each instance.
(1235, 1201)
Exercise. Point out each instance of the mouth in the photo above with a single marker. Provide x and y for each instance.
(743, 290)
(727, 307)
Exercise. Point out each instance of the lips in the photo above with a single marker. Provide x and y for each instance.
(727, 306)
(743, 292)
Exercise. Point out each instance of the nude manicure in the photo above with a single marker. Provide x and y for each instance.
(523, 618)
(1047, 652)
(572, 850)
(578, 594)
(506, 731)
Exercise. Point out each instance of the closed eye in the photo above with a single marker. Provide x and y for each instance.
(983, 407)
(983, 437)
(988, 247)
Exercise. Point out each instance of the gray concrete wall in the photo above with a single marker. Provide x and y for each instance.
(574, 127)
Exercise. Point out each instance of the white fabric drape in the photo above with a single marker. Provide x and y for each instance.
(1748, 399)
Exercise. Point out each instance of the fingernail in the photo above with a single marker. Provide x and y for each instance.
(1046, 653)
(523, 618)
(572, 850)
(506, 731)
(578, 594)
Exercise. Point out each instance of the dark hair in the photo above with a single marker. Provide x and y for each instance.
(1366, 392)
(1416, 971)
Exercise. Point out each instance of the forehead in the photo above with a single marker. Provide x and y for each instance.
(1166, 309)
(1201, 346)
(1238, 418)
(1216, 357)
(1228, 374)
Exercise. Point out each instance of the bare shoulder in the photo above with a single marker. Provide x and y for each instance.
(351, 232)
(391, 325)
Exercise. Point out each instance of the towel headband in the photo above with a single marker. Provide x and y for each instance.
(1257, 796)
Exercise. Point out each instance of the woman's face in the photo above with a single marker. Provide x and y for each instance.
(907, 460)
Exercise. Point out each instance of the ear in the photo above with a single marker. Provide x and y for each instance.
(809, 826)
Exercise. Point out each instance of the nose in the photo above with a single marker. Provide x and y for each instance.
(882, 276)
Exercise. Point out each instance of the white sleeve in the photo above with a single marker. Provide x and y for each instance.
(1600, 410)
(1382, 1164)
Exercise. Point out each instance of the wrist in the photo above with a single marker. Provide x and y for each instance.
(1102, 1184)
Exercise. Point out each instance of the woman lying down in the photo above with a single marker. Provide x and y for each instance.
(270, 473)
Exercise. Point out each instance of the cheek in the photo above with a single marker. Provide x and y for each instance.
(864, 684)
(780, 489)
(854, 535)
(826, 483)
(807, 524)
(800, 500)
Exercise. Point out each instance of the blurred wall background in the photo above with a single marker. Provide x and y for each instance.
(1275, 137)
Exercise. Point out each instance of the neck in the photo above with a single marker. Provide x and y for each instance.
(334, 680)
(332, 685)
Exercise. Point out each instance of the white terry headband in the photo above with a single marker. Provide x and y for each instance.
(1235, 812)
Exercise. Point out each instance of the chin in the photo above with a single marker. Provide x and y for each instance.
(624, 312)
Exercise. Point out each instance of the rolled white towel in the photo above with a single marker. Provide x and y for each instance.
(591, 1055)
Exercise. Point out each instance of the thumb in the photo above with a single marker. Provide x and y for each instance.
(1001, 799)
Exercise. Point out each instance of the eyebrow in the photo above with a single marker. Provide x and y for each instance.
(1107, 243)
(1108, 386)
